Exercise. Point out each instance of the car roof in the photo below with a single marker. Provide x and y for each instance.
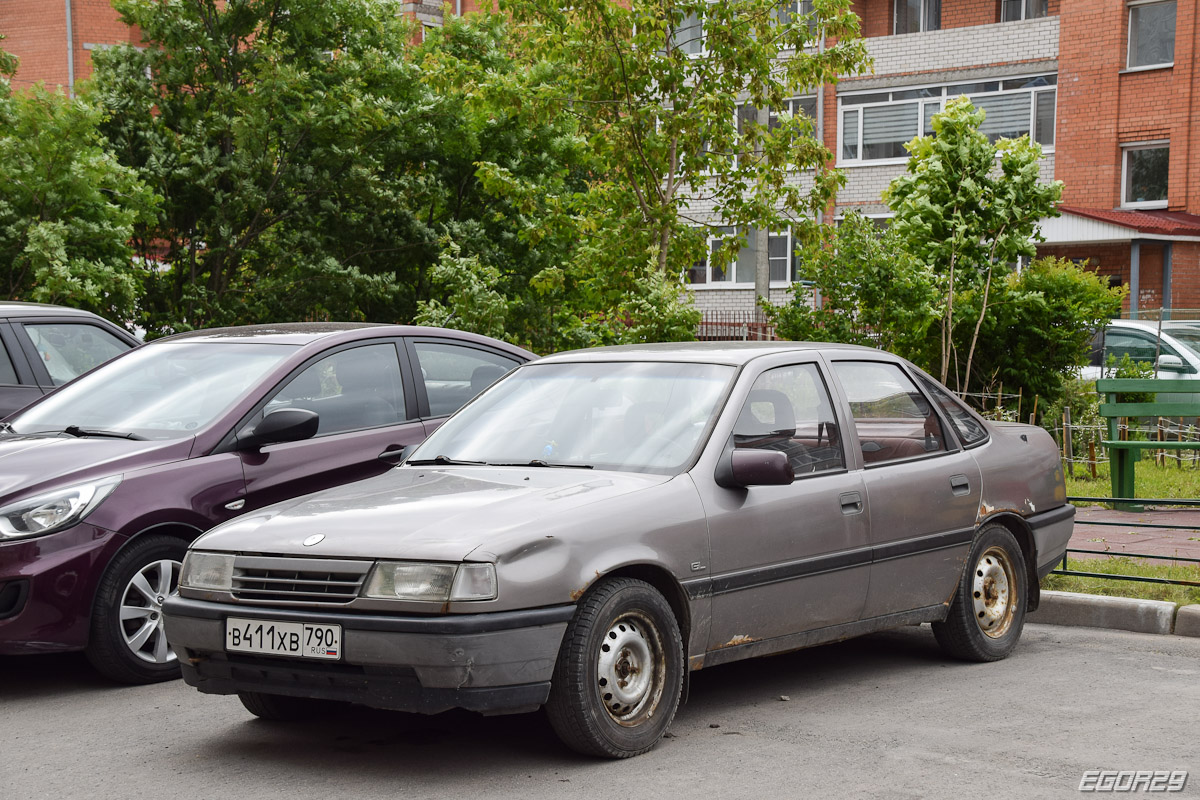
(303, 333)
(733, 353)
(18, 308)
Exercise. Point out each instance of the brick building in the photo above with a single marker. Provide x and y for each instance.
(55, 38)
(1106, 86)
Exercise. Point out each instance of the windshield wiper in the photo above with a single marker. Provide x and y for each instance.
(447, 461)
(537, 462)
(7, 428)
(78, 432)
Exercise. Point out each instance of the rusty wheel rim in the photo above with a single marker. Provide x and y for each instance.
(631, 670)
(991, 592)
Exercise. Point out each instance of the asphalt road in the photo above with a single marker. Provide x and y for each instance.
(881, 716)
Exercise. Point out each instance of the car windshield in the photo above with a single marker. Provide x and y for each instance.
(165, 391)
(631, 416)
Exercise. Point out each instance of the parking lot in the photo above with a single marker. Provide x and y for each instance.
(885, 715)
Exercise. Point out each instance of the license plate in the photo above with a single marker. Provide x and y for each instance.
(296, 639)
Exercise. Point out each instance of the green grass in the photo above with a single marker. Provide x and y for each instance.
(1150, 480)
(1121, 565)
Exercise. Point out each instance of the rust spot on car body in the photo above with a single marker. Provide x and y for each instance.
(741, 638)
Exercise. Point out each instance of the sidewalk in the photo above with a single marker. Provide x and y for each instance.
(1152, 541)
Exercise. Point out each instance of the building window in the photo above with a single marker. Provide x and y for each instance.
(789, 12)
(915, 16)
(1144, 175)
(747, 115)
(781, 258)
(1013, 10)
(875, 126)
(688, 35)
(1151, 34)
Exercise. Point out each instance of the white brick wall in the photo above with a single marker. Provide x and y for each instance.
(961, 48)
(735, 299)
(864, 185)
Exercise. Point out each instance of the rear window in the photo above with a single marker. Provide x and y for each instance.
(969, 429)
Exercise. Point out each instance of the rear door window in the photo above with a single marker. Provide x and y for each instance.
(68, 349)
(454, 373)
(893, 419)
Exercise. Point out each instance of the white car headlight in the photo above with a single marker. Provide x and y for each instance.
(211, 571)
(54, 511)
(435, 583)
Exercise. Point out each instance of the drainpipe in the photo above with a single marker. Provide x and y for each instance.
(70, 53)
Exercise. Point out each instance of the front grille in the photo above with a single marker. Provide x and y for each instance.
(298, 580)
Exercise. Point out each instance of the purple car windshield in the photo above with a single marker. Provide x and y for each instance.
(165, 391)
(633, 416)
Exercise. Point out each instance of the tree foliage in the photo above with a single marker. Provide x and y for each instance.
(67, 208)
(872, 291)
(1039, 325)
(658, 102)
(966, 207)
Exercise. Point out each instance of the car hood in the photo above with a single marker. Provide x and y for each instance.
(440, 514)
(32, 463)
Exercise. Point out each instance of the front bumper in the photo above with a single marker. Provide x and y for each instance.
(1051, 532)
(46, 588)
(494, 663)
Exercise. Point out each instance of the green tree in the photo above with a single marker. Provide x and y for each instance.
(67, 208)
(1039, 326)
(964, 206)
(666, 94)
(872, 292)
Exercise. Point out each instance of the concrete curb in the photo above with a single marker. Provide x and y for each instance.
(1121, 613)
(1187, 621)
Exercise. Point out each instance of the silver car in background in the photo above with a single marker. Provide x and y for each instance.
(600, 523)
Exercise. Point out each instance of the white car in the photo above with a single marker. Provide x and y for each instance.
(1172, 345)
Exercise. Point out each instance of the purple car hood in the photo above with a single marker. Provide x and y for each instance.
(437, 514)
(30, 464)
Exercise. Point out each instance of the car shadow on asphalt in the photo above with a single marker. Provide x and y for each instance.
(380, 744)
(33, 676)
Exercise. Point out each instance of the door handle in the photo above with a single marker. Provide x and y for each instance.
(851, 503)
(959, 485)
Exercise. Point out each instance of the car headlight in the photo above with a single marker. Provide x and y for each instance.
(435, 583)
(211, 571)
(54, 511)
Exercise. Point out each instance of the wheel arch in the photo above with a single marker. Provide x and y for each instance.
(179, 530)
(1021, 531)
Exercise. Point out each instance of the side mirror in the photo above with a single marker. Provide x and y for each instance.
(284, 425)
(396, 455)
(748, 466)
(1170, 363)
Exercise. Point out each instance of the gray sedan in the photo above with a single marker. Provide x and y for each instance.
(600, 523)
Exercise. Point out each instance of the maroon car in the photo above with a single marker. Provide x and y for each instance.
(105, 481)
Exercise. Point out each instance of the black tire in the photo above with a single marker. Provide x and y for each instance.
(622, 625)
(281, 708)
(988, 610)
(114, 647)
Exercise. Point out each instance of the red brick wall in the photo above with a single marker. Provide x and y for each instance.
(37, 33)
(965, 13)
(876, 16)
(1099, 108)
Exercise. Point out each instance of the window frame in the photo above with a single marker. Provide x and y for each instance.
(411, 360)
(706, 263)
(1024, 4)
(1130, 7)
(938, 102)
(1133, 147)
(923, 24)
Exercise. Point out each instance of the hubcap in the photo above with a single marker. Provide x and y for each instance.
(141, 611)
(991, 591)
(631, 670)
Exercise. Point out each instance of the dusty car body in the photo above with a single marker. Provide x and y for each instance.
(601, 522)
